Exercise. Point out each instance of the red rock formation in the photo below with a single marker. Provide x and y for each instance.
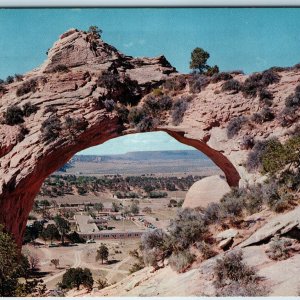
(66, 89)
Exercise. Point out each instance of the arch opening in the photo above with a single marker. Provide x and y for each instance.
(18, 207)
(125, 178)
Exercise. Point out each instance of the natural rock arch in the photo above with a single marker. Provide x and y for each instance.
(66, 91)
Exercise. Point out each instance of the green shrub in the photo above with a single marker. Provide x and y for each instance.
(136, 267)
(252, 199)
(223, 76)
(19, 77)
(176, 83)
(178, 109)
(155, 105)
(206, 250)
(50, 109)
(76, 124)
(60, 68)
(181, 260)
(155, 247)
(277, 198)
(231, 85)
(274, 157)
(236, 72)
(237, 289)
(156, 194)
(136, 114)
(10, 265)
(266, 156)
(157, 92)
(235, 125)
(187, 228)
(271, 156)
(247, 142)
(29, 109)
(14, 115)
(278, 248)
(146, 124)
(3, 89)
(232, 268)
(269, 77)
(109, 104)
(51, 128)
(290, 179)
(232, 203)
(265, 97)
(122, 89)
(9, 79)
(27, 87)
(101, 283)
(257, 81)
(197, 83)
(251, 85)
(22, 133)
(292, 101)
(212, 70)
(288, 116)
(123, 113)
(109, 80)
(265, 115)
(213, 213)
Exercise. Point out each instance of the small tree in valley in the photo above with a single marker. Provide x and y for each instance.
(75, 277)
(102, 253)
(63, 227)
(55, 262)
(98, 207)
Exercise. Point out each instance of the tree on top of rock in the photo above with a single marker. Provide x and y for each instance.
(198, 61)
(95, 31)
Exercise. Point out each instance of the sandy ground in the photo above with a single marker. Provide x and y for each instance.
(84, 255)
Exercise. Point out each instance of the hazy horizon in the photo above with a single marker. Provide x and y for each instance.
(192, 150)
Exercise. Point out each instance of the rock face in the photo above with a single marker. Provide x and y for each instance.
(282, 224)
(69, 93)
(207, 190)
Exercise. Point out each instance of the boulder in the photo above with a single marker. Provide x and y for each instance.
(207, 190)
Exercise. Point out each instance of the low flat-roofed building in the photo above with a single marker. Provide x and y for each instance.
(85, 224)
(87, 229)
(112, 234)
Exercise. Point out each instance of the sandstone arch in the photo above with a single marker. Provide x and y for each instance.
(27, 159)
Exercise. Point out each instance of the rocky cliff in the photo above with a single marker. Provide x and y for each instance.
(81, 96)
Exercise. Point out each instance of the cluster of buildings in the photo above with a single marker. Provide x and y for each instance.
(87, 228)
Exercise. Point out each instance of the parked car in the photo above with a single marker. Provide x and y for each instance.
(90, 241)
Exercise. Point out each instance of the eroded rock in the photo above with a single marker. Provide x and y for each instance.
(280, 225)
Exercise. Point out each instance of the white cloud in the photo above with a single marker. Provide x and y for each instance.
(128, 45)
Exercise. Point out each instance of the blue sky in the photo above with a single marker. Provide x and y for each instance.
(248, 39)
